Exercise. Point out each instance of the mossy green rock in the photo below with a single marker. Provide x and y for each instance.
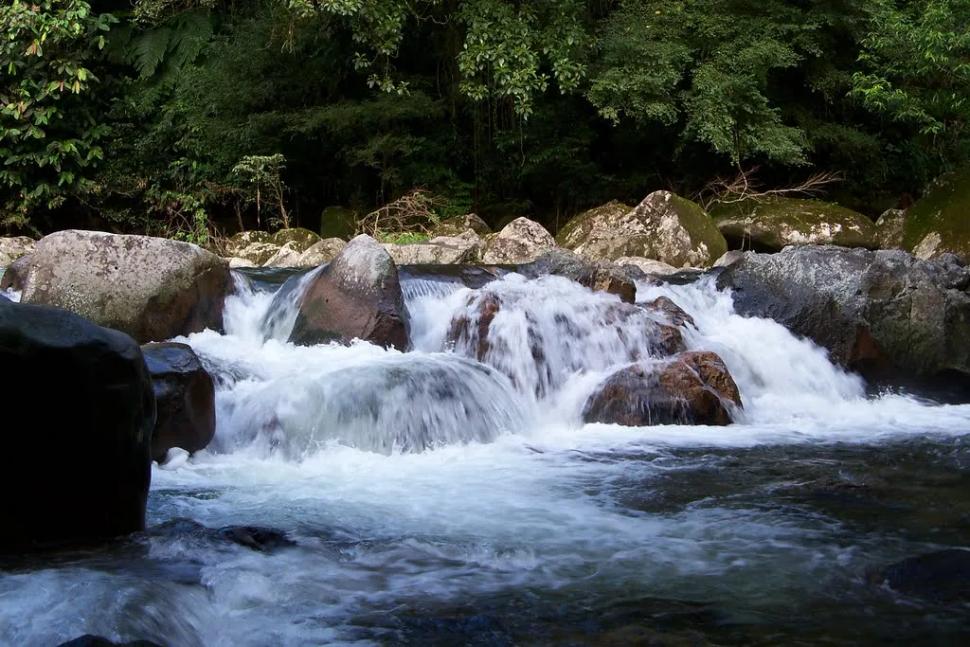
(298, 238)
(338, 222)
(940, 221)
(664, 227)
(460, 224)
(770, 224)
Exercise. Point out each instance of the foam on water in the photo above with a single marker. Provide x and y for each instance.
(412, 481)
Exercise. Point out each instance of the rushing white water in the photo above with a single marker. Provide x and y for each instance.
(416, 483)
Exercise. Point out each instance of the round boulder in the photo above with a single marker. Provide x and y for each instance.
(322, 252)
(769, 224)
(939, 222)
(460, 224)
(184, 399)
(78, 429)
(151, 288)
(664, 227)
(357, 296)
(13, 248)
(695, 388)
(442, 250)
(520, 241)
(298, 239)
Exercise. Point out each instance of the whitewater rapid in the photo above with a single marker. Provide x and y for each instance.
(429, 485)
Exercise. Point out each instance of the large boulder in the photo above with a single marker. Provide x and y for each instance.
(357, 296)
(596, 275)
(184, 399)
(939, 223)
(150, 288)
(441, 250)
(520, 241)
(770, 223)
(664, 227)
(243, 239)
(286, 256)
(884, 313)
(13, 248)
(460, 224)
(694, 388)
(77, 434)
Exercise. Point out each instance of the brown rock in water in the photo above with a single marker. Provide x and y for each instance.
(150, 288)
(184, 399)
(463, 331)
(357, 296)
(670, 311)
(694, 388)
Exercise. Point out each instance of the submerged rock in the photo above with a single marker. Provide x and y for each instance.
(520, 241)
(695, 388)
(357, 296)
(939, 223)
(184, 397)
(258, 538)
(79, 458)
(884, 313)
(941, 576)
(595, 275)
(663, 227)
(150, 288)
(772, 223)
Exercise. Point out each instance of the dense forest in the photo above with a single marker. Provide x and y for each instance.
(184, 117)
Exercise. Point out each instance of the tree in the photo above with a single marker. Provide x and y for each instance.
(916, 72)
(50, 138)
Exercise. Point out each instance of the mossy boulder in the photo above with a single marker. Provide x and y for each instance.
(240, 241)
(664, 227)
(940, 221)
(338, 222)
(460, 224)
(298, 239)
(889, 229)
(772, 223)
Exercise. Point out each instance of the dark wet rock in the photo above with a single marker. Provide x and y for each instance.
(258, 538)
(150, 288)
(358, 295)
(694, 388)
(470, 276)
(596, 275)
(78, 430)
(184, 397)
(89, 640)
(670, 311)
(884, 313)
(473, 331)
(941, 576)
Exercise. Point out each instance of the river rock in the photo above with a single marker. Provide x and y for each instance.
(297, 238)
(458, 225)
(358, 295)
(941, 576)
(648, 266)
(520, 241)
(240, 241)
(77, 434)
(463, 248)
(695, 388)
(596, 275)
(236, 263)
(184, 399)
(669, 311)
(286, 256)
(150, 288)
(889, 229)
(257, 254)
(769, 224)
(939, 222)
(663, 227)
(321, 252)
(13, 248)
(884, 312)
